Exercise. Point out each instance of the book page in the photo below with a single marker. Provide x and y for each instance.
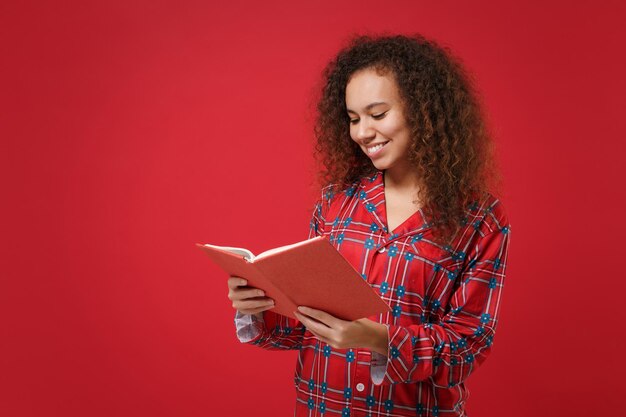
(237, 251)
(284, 248)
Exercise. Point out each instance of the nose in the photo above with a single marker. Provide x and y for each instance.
(364, 132)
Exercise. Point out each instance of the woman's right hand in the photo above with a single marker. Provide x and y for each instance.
(247, 300)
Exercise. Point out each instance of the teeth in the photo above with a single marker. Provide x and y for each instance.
(375, 148)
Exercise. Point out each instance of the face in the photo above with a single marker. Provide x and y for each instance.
(377, 122)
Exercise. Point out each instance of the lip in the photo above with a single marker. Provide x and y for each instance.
(375, 154)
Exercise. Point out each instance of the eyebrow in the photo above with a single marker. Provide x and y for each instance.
(369, 106)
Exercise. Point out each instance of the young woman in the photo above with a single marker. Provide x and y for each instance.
(407, 200)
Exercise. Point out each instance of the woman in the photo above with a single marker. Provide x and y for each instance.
(409, 169)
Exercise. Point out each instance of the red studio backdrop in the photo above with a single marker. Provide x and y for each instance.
(132, 130)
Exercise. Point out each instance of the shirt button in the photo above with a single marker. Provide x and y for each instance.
(360, 387)
(381, 250)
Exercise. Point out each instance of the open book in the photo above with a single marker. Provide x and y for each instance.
(310, 273)
(249, 256)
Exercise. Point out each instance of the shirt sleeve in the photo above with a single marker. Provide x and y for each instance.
(271, 330)
(449, 351)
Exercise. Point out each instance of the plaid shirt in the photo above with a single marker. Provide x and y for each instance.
(444, 300)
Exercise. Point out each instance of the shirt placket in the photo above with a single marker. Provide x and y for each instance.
(361, 379)
(361, 384)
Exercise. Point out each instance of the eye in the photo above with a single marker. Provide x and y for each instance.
(375, 116)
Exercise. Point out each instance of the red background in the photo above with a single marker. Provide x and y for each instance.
(132, 130)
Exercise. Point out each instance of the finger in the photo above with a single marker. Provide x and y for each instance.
(314, 319)
(234, 282)
(256, 310)
(320, 337)
(319, 315)
(253, 304)
(247, 292)
(314, 326)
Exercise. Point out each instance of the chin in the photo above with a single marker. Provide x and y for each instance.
(379, 165)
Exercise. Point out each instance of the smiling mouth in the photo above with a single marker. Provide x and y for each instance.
(374, 149)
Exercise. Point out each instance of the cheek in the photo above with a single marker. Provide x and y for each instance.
(402, 140)
(351, 131)
(393, 126)
(400, 131)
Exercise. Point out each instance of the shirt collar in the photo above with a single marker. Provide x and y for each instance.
(371, 194)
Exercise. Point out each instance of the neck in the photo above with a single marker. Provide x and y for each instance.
(401, 180)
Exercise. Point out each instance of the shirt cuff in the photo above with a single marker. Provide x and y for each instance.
(378, 368)
(378, 364)
(248, 326)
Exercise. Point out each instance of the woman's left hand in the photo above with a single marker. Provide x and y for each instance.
(342, 334)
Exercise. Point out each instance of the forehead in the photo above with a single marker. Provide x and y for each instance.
(367, 86)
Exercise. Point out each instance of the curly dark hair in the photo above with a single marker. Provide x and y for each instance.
(452, 149)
